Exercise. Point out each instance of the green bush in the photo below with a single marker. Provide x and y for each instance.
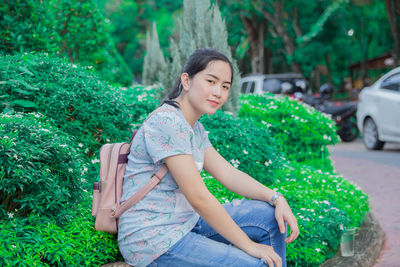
(323, 202)
(73, 98)
(72, 29)
(40, 241)
(302, 132)
(245, 145)
(41, 168)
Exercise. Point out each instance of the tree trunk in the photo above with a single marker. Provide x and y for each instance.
(328, 64)
(255, 32)
(393, 11)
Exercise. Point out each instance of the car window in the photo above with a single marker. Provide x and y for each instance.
(252, 86)
(392, 83)
(244, 87)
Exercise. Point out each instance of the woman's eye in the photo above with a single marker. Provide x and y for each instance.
(226, 87)
(210, 81)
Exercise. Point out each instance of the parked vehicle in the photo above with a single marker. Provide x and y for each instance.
(378, 114)
(287, 83)
(343, 114)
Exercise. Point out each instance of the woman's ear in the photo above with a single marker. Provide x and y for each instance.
(185, 81)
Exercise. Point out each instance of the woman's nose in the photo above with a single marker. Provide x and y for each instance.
(217, 90)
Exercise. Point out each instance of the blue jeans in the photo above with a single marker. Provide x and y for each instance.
(205, 247)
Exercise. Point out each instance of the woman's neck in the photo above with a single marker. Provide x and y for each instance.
(190, 114)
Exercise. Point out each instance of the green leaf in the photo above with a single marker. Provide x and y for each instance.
(24, 103)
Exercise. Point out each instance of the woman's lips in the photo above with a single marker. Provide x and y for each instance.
(214, 103)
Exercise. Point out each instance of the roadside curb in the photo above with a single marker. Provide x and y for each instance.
(367, 247)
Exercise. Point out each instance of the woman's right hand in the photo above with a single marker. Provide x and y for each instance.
(267, 253)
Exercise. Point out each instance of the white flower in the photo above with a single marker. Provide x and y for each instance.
(318, 250)
(73, 65)
(245, 152)
(324, 243)
(10, 214)
(80, 145)
(13, 246)
(70, 170)
(95, 161)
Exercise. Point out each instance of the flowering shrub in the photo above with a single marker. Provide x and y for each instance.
(41, 241)
(73, 98)
(302, 132)
(245, 145)
(41, 169)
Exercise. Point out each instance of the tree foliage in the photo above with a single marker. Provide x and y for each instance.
(73, 29)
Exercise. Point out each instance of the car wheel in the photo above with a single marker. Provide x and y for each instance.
(370, 135)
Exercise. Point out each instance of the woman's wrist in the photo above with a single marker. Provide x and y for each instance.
(274, 198)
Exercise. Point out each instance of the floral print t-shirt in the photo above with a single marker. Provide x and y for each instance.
(163, 216)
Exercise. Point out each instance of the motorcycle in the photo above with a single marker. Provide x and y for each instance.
(343, 114)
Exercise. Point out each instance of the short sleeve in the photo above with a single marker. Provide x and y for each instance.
(167, 134)
(204, 137)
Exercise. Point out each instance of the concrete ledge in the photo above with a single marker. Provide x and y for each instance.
(367, 246)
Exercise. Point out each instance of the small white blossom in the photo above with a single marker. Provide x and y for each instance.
(10, 214)
(70, 170)
(245, 152)
(95, 161)
(318, 250)
(80, 145)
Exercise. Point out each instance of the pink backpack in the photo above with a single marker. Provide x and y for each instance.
(108, 191)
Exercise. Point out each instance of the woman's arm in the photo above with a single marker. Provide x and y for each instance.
(186, 175)
(244, 185)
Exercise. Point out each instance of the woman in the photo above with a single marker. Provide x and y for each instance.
(179, 222)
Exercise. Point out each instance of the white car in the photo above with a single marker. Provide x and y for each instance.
(378, 111)
(286, 83)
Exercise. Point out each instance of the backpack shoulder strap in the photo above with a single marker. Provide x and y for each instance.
(155, 180)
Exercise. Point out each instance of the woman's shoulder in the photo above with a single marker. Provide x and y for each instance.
(164, 113)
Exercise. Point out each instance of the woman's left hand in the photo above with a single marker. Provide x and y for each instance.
(283, 214)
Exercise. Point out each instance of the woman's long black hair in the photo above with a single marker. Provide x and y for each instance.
(197, 62)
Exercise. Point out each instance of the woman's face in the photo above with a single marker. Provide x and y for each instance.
(208, 90)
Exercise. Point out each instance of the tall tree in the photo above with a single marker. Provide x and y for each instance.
(393, 11)
(154, 61)
(201, 26)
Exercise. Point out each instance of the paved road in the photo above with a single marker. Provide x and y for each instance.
(378, 174)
